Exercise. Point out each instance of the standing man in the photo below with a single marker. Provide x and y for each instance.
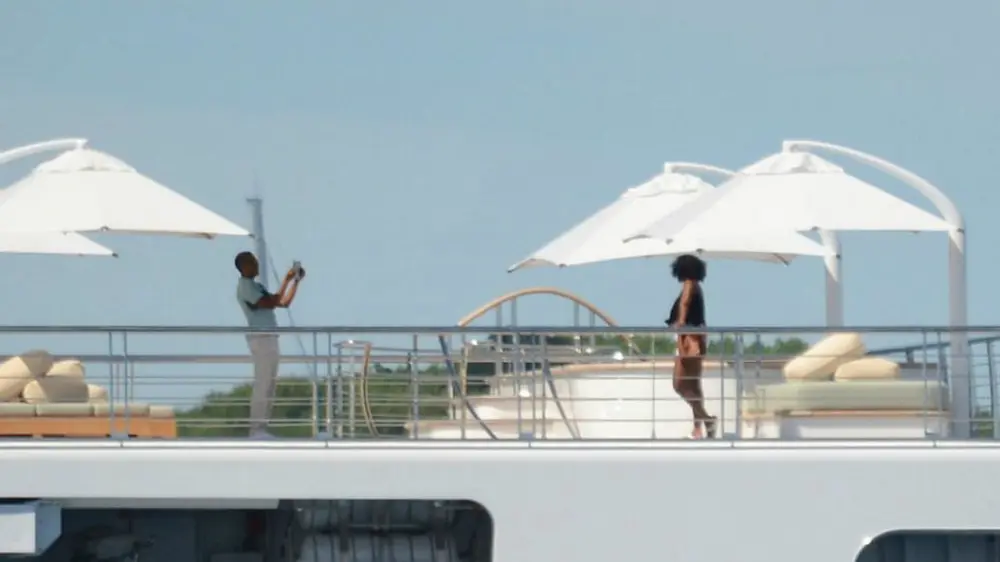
(258, 306)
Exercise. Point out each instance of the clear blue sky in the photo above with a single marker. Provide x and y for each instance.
(409, 152)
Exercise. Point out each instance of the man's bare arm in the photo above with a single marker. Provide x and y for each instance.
(275, 300)
(289, 296)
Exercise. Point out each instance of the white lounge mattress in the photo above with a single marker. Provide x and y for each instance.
(846, 396)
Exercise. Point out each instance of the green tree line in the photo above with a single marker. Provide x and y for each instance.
(718, 346)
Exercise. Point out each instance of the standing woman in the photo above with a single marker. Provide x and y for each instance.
(689, 311)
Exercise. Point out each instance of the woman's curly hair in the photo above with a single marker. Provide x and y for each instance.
(689, 268)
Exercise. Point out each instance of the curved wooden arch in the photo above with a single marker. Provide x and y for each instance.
(499, 301)
(514, 295)
(366, 405)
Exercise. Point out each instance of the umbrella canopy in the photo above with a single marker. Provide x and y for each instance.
(791, 191)
(57, 243)
(601, 236)
(84, 190)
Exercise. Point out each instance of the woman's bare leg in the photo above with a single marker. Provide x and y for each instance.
(693, 370)
(693, 392)
(685, 389)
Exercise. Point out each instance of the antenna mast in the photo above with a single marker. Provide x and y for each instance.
(260, 242)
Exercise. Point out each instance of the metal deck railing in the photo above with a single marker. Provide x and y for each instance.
(388, 382)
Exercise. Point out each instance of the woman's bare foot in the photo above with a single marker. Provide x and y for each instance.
(697, 432)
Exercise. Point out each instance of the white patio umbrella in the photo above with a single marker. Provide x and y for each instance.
(83, 190)
(50, 243)
(790, 191)
(53, 243)
(798, 190)
(601, 236)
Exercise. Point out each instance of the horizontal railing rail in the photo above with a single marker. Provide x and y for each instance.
(247, 359)
(930, 346)
(539, 330)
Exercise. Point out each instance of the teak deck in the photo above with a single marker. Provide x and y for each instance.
(77, 427)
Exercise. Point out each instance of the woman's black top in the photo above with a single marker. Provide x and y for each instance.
(696, 310)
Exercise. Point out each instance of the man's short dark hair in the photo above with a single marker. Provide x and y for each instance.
(689, 268)
(242, 258)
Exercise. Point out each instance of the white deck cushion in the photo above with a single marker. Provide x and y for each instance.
(820, 361)
(67, 368)
(867, 369)
(97, 394)
(808, 396)
(55, 390)
(18, 371)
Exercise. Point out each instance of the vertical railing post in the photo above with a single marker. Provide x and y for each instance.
(352, 395)
(113, 384)
(721, 422)
(577, 339)
(414, 386)
(994, 397)
(129, 387)
(498, 347)
(924, 377)
(318, 392)
(543, 363)
(463, 386)
(340, 391)
(957, 427)
(653, 377)
(758, 358)
(943, 378)
(120, 387)
(740, 389)
(454, 380)
(328, 383)
(592, 339)
(757, 374)
(517, 368)
(314, 402)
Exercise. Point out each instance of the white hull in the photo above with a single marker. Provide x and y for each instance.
(781, 502)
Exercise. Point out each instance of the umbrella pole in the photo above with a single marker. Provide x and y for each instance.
(960, 367)
(834, 288)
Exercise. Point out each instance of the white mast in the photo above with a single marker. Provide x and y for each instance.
(260, 242)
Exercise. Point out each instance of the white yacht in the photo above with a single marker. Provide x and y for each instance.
(521, 444)
(491, 440)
